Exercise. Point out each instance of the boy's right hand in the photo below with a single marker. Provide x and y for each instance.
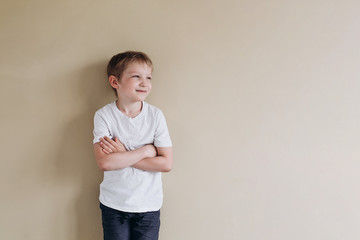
(111, 146)
(150, 150)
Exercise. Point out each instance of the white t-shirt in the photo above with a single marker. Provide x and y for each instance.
(131, 189)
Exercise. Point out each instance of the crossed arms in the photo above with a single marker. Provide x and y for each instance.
(112, 155)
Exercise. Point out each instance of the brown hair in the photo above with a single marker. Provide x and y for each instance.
(119, 62)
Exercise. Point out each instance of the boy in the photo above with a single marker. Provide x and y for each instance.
(132, 146)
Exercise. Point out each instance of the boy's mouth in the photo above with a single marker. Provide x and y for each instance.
(141, 91)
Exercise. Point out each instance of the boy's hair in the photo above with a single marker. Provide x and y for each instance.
(119, 62)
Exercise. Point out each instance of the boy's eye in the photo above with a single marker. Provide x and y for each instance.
(149, 78)
(136, 76)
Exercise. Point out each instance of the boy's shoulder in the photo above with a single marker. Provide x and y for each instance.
(155, 112)
(152, 109)
(106, 109)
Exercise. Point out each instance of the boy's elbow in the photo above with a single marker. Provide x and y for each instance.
(100, 158)
(167, 169)
(167, 155)
(103, 165)
(168, 166)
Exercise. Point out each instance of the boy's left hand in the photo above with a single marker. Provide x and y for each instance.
(111, 146)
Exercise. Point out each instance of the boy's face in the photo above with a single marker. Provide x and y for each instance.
(135, 82)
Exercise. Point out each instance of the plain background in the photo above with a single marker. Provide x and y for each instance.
(261, 98)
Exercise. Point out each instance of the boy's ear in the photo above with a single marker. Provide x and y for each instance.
(114, 82)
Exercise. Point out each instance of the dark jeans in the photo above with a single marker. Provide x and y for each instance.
(118, 225)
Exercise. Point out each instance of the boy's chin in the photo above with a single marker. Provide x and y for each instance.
(140, 99)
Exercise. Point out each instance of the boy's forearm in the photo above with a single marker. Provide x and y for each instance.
(161, 163)
(122, 159)
(154, 164)
(119, 160)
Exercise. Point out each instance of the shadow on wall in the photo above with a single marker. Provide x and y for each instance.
(75, 160)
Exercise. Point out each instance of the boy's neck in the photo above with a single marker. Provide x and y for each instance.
(129, 109)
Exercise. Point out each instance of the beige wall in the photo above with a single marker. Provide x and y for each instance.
(261, 97)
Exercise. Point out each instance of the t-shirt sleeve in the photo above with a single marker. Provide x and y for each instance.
(101, 128)
(162, 136)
